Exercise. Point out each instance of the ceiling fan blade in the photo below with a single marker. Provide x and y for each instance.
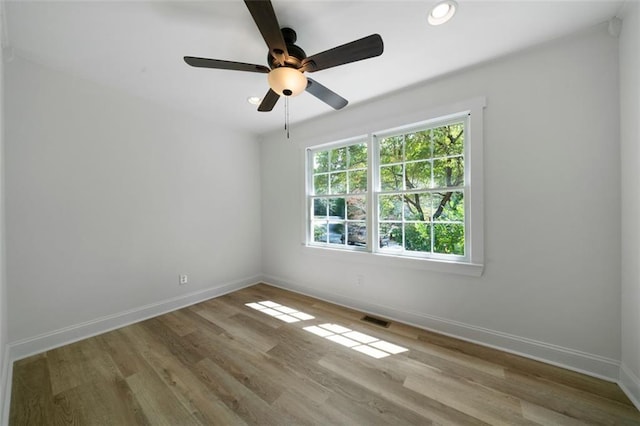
(225, 65)
(267, 22)
(327, 96)
(269, 101)
(364, 48)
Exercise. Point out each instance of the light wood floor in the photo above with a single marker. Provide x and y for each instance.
(221, 362)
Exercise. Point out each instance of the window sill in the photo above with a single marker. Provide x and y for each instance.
(383, 259)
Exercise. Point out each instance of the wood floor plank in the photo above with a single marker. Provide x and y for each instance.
(201, 322)
(303, 411)
(220, 362)
(171, 341)
(569, 402)
(384, 384)
(238, 398)
(219, 308)
(534, 368)
(545, 416)
(179, 322)
(492, 407)
(123, 351)
(31, 396)
(182, 382)
(101, 403)
(248, 370)
(192, 394)
(354, 400)
(262, 341)
(263, 374)
(79, 363)
(157, 402)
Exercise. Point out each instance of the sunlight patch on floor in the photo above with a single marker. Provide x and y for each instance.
(355, 340)
(276, 310)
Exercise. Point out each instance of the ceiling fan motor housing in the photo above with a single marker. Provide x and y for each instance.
(296, 54)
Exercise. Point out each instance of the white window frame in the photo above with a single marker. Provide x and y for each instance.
(472, 263)
(375, 183)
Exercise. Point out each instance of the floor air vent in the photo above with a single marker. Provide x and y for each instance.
(376, 321)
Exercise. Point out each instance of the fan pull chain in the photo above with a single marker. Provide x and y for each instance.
(286, 115)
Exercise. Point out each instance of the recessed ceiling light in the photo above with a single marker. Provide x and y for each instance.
(253, 100)
(442, 12)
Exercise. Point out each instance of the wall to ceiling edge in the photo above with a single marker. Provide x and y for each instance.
(551, 284)
(630, 171)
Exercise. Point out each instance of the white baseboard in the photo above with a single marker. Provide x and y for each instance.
(582, 362)
(630, 384)
(34, 345)
(6, 372)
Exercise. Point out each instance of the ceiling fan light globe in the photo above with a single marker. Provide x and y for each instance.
(287, 81)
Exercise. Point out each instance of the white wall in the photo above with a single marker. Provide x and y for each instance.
(4, 361)
(550, 288)
(110, 197)
(630, 150)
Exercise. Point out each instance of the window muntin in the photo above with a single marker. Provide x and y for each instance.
(420, 201)
(338, 198)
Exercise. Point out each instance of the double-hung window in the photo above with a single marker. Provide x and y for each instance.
(420, 197)
(339, 200)
(412, 192)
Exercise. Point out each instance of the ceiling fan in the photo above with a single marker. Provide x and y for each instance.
(288, 62)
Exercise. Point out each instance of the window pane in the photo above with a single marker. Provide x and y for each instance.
(358, 181)
(390, 207)
(336, 233)
(319, 208)
(448, 172)
(339, 159)
(418, 146)
(448, 238)
(320, 232)
(357, 156)
(338, 183)
(357, 208)
(417, 237)
(418, 175)
(390, 235)
(417, 207)
(336, 208)
(357, 233)
(391, 178)
(448, 140)
(391, 150)
(448, 206)
(321, 162)
(321, 184)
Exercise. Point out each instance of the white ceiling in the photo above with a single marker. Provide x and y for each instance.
(137, 46)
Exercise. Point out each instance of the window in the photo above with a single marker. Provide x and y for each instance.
(412, 192)
(420, 202)
(339, 201)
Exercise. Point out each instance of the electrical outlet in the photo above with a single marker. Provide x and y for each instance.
(183, 279)
(359, 280)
